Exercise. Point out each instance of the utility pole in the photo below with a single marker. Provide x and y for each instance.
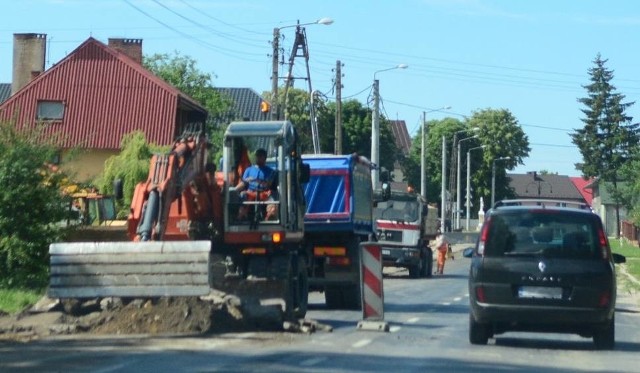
(423, 171)
(274, 74)
(301, 42)
(375, 133)
(443, 190)
(452, 178)
(338, 130)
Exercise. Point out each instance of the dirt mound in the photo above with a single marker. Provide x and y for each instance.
(166, 315)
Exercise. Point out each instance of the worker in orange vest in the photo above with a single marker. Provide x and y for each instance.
(442, 249)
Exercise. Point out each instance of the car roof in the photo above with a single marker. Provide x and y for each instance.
(542, 204)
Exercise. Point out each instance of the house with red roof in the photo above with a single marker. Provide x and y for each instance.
(93, 97)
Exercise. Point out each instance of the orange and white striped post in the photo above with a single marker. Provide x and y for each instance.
(372, 288)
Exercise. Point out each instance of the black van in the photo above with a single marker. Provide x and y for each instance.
(542, 266)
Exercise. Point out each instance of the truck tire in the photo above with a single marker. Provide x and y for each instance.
(416, 271)
(348, 297)
(427, 267)
(333, 297)
(352, 297)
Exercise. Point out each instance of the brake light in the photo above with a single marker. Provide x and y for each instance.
(484, 236)
(480, 297)
(604, 244)
(605, 298)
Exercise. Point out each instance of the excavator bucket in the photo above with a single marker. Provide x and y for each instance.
(129, 269)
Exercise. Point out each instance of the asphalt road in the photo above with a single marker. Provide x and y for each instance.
(428, 333)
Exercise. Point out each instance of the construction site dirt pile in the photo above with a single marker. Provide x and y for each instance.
(112, 316)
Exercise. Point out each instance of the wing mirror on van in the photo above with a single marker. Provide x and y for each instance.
(468, 252)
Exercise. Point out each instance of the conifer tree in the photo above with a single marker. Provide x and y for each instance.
(608, 137)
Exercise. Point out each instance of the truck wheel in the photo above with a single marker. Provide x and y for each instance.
(427, 265)
(352, 297)
(333, 297)
(416, 271)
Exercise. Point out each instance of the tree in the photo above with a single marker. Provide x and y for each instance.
(131, 166)
(31, 205)
(500, 133)
(608, 138)
(434, 130)
(182, 72)
(503, 137)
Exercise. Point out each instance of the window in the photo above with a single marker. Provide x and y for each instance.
(50, 110)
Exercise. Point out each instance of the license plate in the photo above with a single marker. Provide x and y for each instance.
(539, 292)
(386, 252)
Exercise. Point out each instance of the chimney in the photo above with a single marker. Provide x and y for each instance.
(28, 59)
(130, 47)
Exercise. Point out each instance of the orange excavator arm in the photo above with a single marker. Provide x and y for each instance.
(180, 198)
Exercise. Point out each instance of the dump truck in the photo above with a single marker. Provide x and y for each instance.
(405, 225)
(186, 233)
(338, 217)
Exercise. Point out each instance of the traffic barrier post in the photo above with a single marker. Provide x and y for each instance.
(372, 288)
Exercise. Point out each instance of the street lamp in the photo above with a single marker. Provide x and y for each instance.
(458, 196)
(423, 173)
(275, 115)
(493, 178)
(469, 183)
(375, 126)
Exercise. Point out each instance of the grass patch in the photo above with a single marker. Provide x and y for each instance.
(13, 300)
(632, 266)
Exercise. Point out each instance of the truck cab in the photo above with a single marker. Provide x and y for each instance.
(405, 224)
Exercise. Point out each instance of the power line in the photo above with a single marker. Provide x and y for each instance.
(224, 51)
(205, 27)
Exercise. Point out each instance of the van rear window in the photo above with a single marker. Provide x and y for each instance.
(562, 235)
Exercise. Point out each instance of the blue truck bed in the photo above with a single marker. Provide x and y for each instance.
(338, 195)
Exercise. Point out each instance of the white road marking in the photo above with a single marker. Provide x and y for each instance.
(395, 329)
(446, 303)
(457, 299)
(313, 361)
(361, 343)
(413, 320)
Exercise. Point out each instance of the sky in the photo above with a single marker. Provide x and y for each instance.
(529, 57)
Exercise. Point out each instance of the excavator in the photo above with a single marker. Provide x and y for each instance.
(187, 203)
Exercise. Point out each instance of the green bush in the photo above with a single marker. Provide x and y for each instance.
(30, 206)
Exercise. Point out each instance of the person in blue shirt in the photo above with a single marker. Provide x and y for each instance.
(258, 177)
(257, 183)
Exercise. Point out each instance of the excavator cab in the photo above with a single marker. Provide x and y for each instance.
(275, 205)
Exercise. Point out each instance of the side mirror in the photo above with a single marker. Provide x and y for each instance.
(468, 252)
(305, 173)
(118, 189)
(385, 191)
(618, 259)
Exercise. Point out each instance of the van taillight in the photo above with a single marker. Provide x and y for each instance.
(480, 297)
(604, 244)
(605, 298)
(484, 235)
